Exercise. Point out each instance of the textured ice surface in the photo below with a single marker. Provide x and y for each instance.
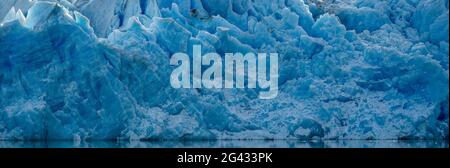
(99, 69)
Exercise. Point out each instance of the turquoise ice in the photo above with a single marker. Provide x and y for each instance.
(99, 69)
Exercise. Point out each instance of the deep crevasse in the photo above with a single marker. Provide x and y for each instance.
(99, 69)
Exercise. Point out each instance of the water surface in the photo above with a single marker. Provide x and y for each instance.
(230, 144)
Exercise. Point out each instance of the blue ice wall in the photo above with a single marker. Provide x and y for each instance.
(99, 69)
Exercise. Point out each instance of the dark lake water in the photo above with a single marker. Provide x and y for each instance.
(229, 144)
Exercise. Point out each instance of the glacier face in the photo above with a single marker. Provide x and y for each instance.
(99, 69)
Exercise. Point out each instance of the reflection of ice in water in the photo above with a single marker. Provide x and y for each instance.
(230, 144)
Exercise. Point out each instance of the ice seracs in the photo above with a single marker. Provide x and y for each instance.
(97, 69)
(260, 69)
(13, 16)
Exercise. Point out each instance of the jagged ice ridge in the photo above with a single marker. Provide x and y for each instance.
(99, 69)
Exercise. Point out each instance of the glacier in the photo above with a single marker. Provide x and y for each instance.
(99, 69)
